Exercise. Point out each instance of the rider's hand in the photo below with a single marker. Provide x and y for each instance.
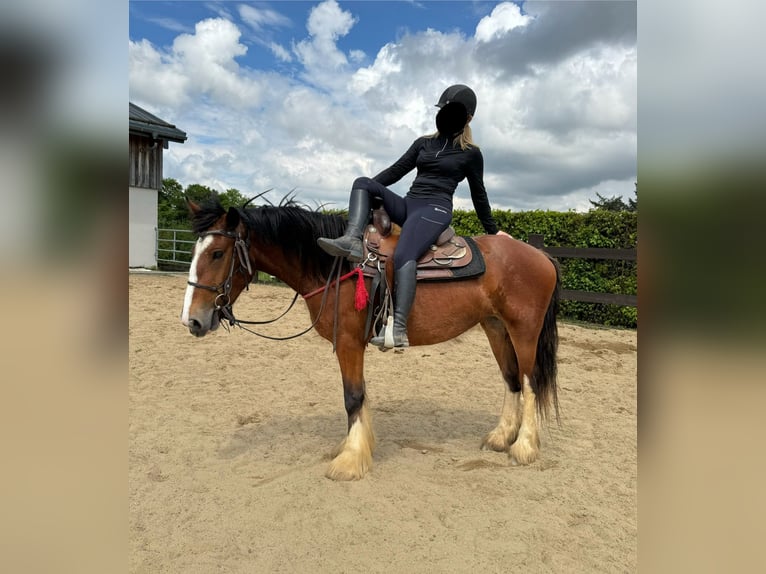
(503, 233)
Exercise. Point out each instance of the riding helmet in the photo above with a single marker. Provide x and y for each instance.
(459, 93)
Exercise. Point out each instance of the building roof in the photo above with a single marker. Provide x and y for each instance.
(144, 123)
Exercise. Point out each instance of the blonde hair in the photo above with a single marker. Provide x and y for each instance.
(464, 139)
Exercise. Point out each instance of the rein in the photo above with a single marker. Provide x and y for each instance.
(227, 311)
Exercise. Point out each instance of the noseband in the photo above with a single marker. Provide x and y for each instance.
(223, 289)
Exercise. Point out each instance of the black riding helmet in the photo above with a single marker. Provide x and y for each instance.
(457, 103)
(459, 93)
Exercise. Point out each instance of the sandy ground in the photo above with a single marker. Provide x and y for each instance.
(230, 436)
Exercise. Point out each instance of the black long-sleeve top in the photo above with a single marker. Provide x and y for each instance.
(441, 166)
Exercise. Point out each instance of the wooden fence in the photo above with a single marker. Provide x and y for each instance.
(536, 240)
(174, 251)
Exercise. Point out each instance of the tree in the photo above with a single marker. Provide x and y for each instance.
(197, 192)
(171, 205)
(172, 211)
(633, 203)
(232, 198)
(614, 203)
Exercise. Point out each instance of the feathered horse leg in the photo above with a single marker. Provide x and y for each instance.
(353, 457)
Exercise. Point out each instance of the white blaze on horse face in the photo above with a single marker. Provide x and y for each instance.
(202, 244)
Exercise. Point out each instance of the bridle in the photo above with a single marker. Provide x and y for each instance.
(223, 289)
(222, 301)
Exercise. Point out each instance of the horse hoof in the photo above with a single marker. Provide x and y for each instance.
(347, 466)
(523, 452)
(495, 442)
(341, 475)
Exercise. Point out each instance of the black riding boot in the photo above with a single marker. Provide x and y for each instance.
(349, 245)
(405, 281)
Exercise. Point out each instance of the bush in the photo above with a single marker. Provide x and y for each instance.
(596, 228)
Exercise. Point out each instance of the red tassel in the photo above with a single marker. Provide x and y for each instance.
(360, 298)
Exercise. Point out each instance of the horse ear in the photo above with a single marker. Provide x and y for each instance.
(193, 207)
(232, 218)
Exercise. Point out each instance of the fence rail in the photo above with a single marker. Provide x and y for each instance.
(171, 252)
(537, 240)
(170, 249)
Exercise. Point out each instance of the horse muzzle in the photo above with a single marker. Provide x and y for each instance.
(199, 327)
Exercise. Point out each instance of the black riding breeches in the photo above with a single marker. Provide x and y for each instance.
(421, 220)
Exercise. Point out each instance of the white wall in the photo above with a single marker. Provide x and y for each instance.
(143, 225)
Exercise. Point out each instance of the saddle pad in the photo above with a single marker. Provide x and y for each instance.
(475, 268)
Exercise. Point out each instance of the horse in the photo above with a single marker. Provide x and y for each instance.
(515, 301)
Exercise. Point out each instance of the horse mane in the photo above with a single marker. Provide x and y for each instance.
(290, 225)
(209, 212)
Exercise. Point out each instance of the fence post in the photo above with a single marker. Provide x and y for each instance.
(536, 240)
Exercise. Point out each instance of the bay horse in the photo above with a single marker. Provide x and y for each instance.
(515, 301)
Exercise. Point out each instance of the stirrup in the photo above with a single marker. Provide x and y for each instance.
(389, 339)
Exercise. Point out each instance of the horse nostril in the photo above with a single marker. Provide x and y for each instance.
(194, 325)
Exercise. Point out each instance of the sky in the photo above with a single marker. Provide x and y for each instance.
(308, 96)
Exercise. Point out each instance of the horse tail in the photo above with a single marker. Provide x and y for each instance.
(546, 369)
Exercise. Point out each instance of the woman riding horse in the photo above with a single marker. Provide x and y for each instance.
(443, 160)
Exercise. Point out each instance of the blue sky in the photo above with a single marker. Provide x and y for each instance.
(310, 95)
(376, 22)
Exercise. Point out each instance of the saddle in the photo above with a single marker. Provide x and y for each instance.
(451, 257)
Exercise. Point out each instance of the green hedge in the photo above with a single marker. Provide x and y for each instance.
(597, 228)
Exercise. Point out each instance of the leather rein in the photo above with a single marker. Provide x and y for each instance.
(223, 303)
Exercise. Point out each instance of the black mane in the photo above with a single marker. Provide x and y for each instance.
(289, 226)
(210, 211)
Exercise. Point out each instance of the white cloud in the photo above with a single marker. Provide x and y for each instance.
(596, 89)
(386, 63)
(262, 18)
(504, 18)
(153, 78)
(282, 54)
(208, 58)
(357, 56)
(170, 24)
(199, 64)
(553, 131)
(220, 9)
(319, 53)
(327, 22)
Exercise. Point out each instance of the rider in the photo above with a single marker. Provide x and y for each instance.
(442, 160)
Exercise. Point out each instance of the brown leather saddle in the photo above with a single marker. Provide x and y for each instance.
(451, 257)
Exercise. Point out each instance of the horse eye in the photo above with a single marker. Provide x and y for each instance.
(217, 254)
